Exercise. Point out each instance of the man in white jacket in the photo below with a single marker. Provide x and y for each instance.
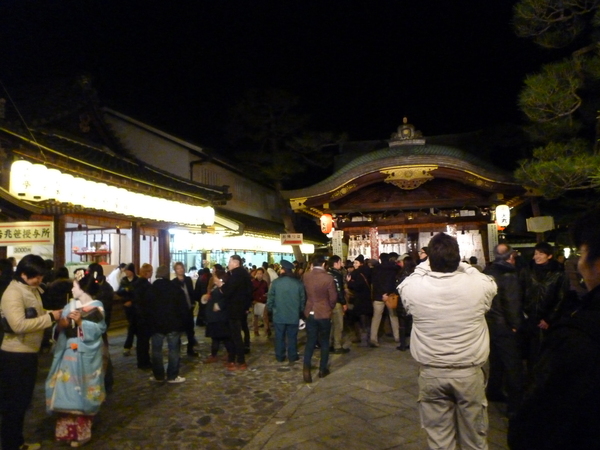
(448, 301)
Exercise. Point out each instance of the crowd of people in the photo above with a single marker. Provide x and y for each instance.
(536, 323)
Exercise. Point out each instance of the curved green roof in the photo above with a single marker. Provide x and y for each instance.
(441, 155)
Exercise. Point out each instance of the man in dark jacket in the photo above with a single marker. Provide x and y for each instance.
(337, 316)
(545, 290)
(167, 313)
(238, 300)
(140, 287)
(185, 283)
(125, 294)
(562, 406)
(321, 297)
(504, 320)
(384, 283)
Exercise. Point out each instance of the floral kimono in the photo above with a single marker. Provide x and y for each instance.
(75, 384)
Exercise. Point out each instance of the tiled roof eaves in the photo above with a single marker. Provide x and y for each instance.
(103, 159)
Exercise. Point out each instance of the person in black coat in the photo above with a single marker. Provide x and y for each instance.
(384, 278)
(140, 287)
(237, 293)
(167, 312)
(125, 293)
(217, 320)
(200, 289)
(359, 284)
(561, 408)
(545, 294)
(504, 320)
(185, 283)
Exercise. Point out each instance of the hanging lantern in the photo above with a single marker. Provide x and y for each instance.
(209, 216)
(37, 179)
(20, 185)
(502, 215)
(51, 186)
(326, 223)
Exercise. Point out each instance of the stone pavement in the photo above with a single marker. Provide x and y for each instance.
(367, 402)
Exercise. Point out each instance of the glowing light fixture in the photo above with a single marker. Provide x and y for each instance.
(326, 223)
(502, 215)
(35, 182)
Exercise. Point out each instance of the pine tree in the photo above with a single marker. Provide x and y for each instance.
(561, 101)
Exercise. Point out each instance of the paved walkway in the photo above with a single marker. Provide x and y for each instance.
(367, 402)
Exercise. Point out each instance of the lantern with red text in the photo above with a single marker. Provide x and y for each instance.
(326, 223)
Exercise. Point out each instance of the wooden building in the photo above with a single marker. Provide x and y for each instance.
(393, 195)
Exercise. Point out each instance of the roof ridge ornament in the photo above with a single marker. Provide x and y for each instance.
(406, 135)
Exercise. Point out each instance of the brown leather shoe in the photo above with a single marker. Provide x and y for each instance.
(323, 373)
(306, 374)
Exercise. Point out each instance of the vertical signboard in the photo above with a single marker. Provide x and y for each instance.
(336, 243)
(492, 229)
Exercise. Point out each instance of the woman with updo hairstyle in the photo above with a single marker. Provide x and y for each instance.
(75, 384)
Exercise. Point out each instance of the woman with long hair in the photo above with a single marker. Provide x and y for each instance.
(75, 384)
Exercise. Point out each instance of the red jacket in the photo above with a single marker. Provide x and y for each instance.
(259, 290)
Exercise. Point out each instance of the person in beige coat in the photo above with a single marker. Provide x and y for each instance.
(24, 321)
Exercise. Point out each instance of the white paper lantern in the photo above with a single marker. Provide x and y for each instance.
(502, 215)
(66, 188)
(52, 184)
(37, 179)
(20, 185)
(209, 219)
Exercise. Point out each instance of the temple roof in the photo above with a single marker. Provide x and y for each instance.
(408, 176)
(406, 156)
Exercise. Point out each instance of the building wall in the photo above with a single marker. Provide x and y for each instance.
(248, 197)
(151, 148)
(175, 156)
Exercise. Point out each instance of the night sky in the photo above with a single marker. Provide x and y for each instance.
(357, 66)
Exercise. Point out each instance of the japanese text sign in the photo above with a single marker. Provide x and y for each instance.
(16, 233)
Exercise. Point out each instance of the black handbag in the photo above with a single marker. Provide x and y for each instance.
(30, 313)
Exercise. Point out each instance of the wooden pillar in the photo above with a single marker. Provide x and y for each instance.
(135, 244)
(59, 240)
(164, 248)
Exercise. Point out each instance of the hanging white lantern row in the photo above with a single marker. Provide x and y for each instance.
(20, 185)
(36, 182)
(502, 215)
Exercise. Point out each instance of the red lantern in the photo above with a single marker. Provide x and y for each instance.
(326, 223)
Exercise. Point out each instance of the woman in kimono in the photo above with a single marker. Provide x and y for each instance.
(75, 384)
